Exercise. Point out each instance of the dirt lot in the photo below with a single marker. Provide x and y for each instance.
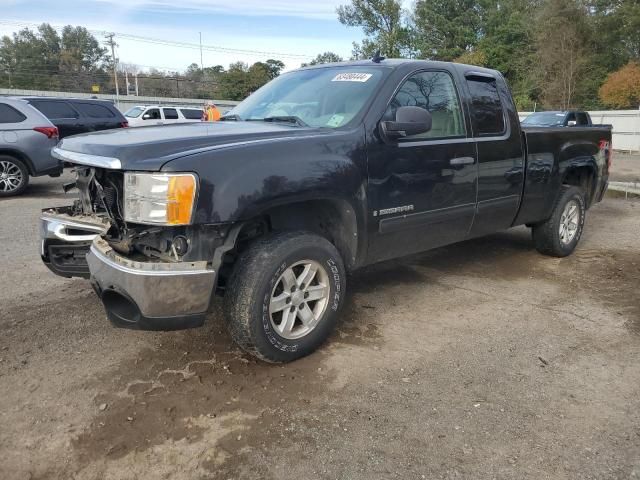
(479, 360)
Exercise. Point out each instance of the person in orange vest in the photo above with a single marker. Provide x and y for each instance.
(211, 113)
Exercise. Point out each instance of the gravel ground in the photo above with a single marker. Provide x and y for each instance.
(479, 360)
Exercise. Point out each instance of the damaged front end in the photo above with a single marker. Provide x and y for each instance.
(67, 232)
(147, 276)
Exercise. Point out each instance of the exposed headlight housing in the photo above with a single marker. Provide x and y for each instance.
(159, 198)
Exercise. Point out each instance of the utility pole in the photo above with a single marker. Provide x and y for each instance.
(136, 76)
(111, 43)
(126, 82)
(201, 64)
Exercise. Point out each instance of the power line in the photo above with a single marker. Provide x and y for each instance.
(105, 76)
(158, 41)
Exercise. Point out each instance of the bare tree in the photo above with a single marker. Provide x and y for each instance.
(561, 51)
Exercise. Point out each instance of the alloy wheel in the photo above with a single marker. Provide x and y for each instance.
(299, 299)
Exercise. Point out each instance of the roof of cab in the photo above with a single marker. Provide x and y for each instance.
(400, 62)
(193, 107)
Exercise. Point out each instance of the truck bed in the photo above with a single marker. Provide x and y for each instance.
(550, 153)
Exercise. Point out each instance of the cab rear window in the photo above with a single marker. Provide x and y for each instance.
(488, 115)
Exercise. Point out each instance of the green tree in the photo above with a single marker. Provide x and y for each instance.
(46, 60)
(508, 45)
(384, 24)
(234, 84)
(326, 57)
(31, 59)
(273, 68)
(445, 29)
(82, 59)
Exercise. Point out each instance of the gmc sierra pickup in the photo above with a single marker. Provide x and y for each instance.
(322, 171)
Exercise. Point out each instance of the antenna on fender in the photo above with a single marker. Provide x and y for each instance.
(377, 58)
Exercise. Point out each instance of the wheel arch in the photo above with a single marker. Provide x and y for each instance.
(18, 155)
(332, 218)
(583, 174)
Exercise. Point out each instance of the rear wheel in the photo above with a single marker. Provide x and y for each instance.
(283, 297)
(14, 176)
(559, 235)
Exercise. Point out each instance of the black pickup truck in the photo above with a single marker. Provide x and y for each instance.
(322, 171)
(558, 119)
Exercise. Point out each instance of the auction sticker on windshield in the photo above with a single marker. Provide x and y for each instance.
(352, 77)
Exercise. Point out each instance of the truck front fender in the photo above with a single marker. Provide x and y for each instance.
(240, 184)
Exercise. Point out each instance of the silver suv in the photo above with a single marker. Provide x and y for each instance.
(26, 140)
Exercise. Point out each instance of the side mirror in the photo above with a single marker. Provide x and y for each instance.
(571, 123)
(146, 116)
(409, 121)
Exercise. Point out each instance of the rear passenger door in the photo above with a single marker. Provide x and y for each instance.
(498, 142)
(62, 115)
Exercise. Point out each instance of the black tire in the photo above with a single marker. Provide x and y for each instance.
(258, 275)
(546, 235)
(10, 164)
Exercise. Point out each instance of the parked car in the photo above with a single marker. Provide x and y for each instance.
(26, 140)
(73, 116)
(322, 171)
(142, 115)
(558, 119)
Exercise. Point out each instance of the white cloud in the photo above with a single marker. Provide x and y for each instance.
(321, 9)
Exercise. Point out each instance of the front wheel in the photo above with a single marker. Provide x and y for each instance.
(283, 297)
(559, 235)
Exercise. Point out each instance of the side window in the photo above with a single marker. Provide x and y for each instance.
(153, 113)
(435, 92)
(191, 114)
(9, 114)
(571, 117)
(170, 113)
(55, 110)
(488, 115)
(93, 110)
(582, 119)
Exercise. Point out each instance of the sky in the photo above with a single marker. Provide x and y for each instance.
(293, 31)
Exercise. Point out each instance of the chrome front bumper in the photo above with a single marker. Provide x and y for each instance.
(150, 295)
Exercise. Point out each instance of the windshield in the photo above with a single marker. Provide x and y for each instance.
(547, 119)
(323, 97)
(134, 112)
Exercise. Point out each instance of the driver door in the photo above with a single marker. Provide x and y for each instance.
(422, 188)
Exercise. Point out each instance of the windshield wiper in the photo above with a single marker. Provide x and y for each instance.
(231, 117)
(286, 119)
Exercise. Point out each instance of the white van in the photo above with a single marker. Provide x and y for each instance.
(141, 115)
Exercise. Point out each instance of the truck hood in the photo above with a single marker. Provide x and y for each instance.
(148, 148)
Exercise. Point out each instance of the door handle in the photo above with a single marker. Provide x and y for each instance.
(460, 161)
